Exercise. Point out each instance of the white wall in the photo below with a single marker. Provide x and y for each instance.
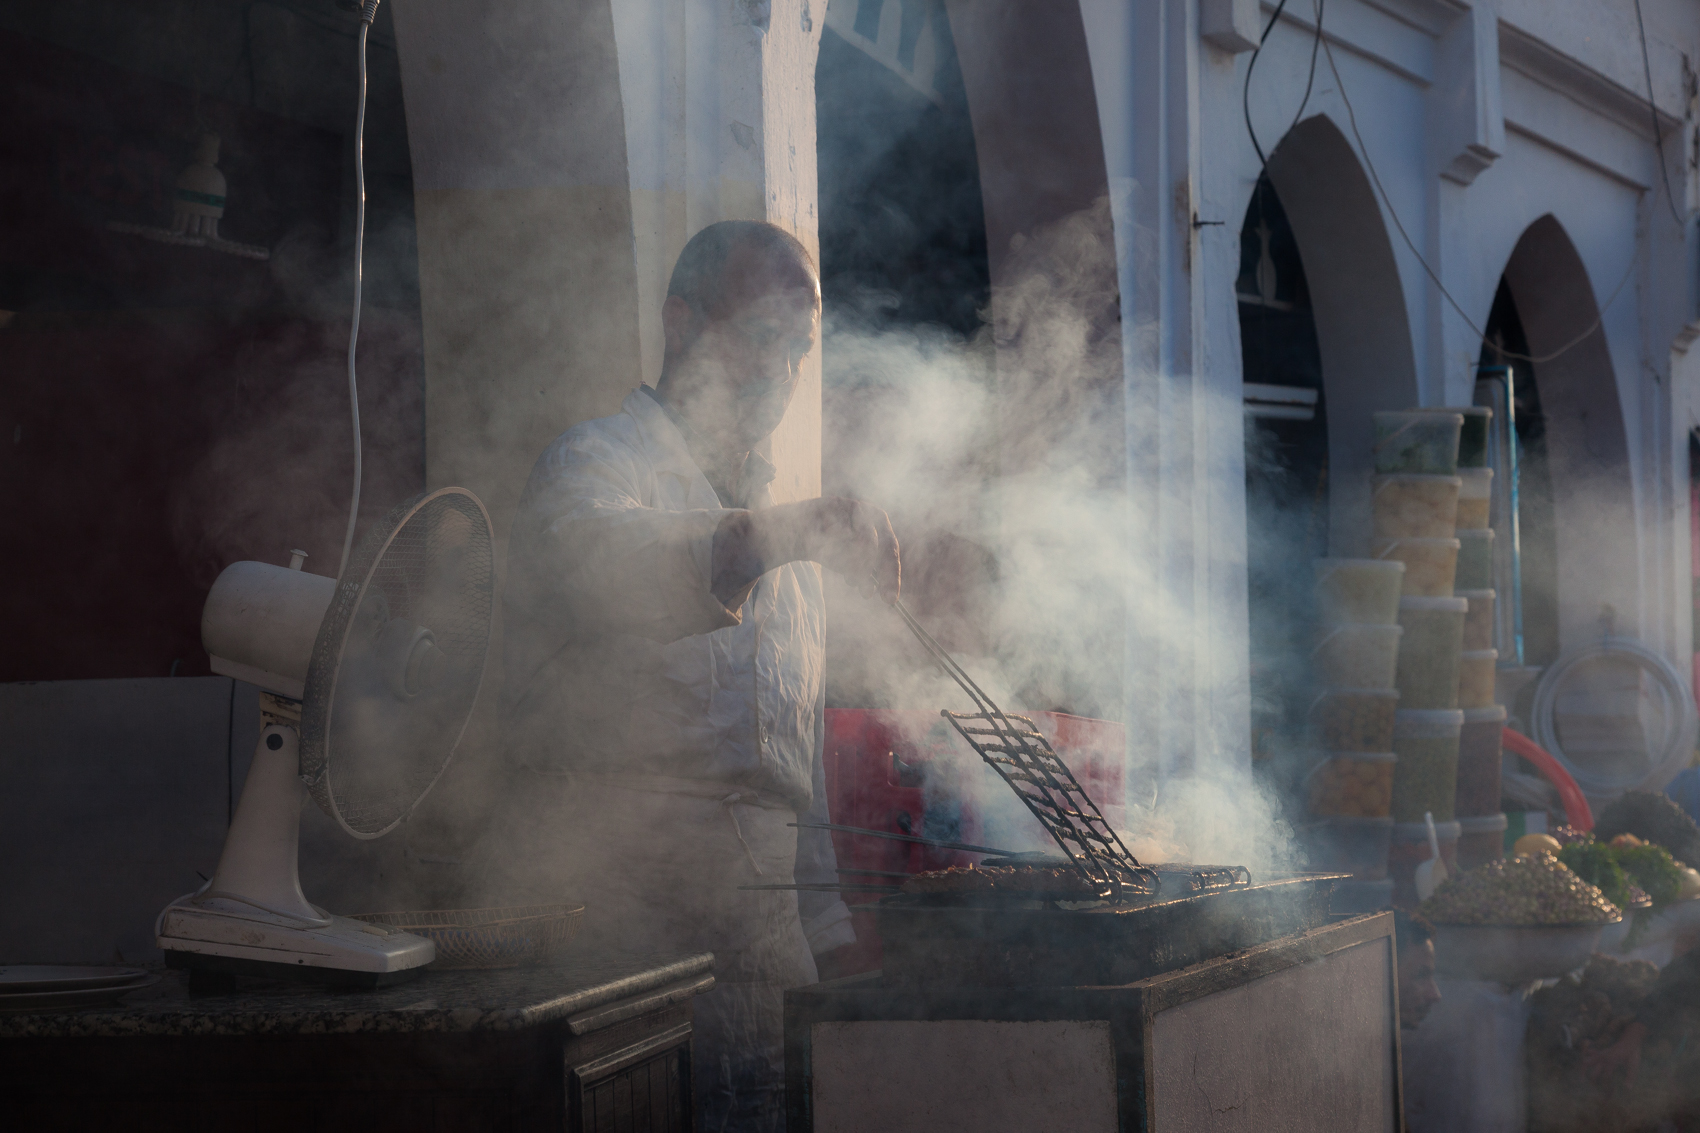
(1479, 118)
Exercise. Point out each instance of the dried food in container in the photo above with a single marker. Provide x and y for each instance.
(1356, 656)
(1417, 441)
(1425, 779)
(1475, 497)
(1351, 785)
(1360, 591)
(1354, 719)
(1430, 564)
(1479, 761)
(1427, 675)
(1411, 505)
(1476, 670)
(1475, 559)
(1478, 622)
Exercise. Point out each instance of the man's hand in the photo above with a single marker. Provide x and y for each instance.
(1624, 1054)
(853, 540)
(850, 538)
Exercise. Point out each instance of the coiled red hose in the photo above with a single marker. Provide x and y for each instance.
(1576, 808)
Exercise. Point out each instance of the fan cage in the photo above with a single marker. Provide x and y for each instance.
(429, 562)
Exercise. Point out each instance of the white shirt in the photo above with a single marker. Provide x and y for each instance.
(618, 656)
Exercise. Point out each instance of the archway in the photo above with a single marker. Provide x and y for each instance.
(1594, 538)
(1357, 303)
(1324, 343)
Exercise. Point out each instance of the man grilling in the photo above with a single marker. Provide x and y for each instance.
(665, 667)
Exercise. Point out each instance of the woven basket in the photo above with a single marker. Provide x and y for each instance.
(511, 937)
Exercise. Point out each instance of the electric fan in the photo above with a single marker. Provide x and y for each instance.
(366, 686)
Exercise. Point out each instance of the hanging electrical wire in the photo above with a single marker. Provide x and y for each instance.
(1375, 179)
(1653, 112)
(368, 12)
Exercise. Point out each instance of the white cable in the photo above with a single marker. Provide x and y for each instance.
(367, 13)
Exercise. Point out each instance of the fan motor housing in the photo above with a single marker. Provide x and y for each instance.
(260, 621)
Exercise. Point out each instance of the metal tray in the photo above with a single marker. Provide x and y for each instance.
(1018, 943)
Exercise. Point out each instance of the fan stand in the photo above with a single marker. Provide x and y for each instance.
(253, 919)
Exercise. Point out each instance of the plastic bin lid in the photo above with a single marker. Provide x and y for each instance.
(1418, 831)
(1391, 541)
(1382, 478)
(1326, 567)
(1461, 410)
(1396, 414)
(1481, 824)
(1427, 723)
(1477, 595)
(1353, 820)
(1341, 690)
(1490, 714)
(1479, 655)
(1361, 756)
(1475, 533)
(1418, 605)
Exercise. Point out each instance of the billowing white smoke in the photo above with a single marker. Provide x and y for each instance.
(1002, 459)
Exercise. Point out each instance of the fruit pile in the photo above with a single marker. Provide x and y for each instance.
(1534, 890)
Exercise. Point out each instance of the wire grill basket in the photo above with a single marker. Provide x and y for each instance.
(512, 937)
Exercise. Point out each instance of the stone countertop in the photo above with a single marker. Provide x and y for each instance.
(580, 990)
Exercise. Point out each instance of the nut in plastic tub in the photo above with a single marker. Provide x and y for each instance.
(1358, 591)
(1414, 505)
(1357, 656)
(1417, 441)
(1431, 565)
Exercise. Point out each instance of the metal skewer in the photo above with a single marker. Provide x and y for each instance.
(829, 888)
(964, 846)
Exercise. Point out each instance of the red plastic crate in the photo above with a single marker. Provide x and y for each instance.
(908, 772)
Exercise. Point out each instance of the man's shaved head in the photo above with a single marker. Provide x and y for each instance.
(730, 263)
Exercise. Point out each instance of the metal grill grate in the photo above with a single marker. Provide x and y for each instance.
(1023, 757)
(1019, 752)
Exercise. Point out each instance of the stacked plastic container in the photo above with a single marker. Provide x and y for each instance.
(1350, 788)
(1414, 501)
(1481, 824)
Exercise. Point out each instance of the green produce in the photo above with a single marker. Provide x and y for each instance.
(1534, 890)
(1624, 864)
(1653, 869)
(1596, 863)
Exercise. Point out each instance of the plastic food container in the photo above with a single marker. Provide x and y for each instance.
(1431, 565)
(1476, 669)
(1356, 656)
(1475, 496)
(1349, 845)
(1473, 437)
(1427, 673)
(1481, 839)
(1362, 591)
(1475, 560)
(1417, 441)
(1352, 785)
(1415, 505)
(1354, 719)
(1478, 623)
(1479, 754)
(1426, 777)
(1408, 848)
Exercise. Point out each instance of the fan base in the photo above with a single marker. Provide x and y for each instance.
(227, 934)
(219, 975)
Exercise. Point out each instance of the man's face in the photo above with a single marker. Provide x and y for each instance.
(1417, 990)
(745, 354)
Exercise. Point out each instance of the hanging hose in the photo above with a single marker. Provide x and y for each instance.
(1675, 702)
